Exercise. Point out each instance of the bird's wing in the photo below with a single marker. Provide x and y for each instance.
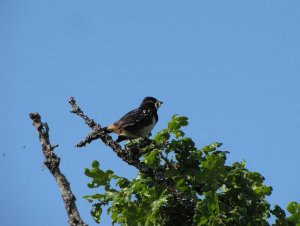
(133, 118)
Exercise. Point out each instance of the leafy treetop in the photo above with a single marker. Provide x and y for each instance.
(221, 194)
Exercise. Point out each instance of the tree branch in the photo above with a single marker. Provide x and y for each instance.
(131, 157)
(52, 163)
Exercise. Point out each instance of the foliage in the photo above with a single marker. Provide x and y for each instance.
(224, 194)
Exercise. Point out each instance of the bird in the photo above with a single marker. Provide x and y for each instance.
(138, 122)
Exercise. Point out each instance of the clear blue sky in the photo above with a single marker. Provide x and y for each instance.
(232, 67)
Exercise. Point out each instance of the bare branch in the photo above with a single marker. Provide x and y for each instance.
(97, 131)
(52, 163)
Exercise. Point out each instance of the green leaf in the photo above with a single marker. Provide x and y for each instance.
(179, 133)
(181, 185)
(151, 158)
(208, 149)
(212, 147)
(95, 164)
(203, 220)
(123, 182)
(162, 136)
(91, 185)
(177, 122)
(87, 172)
(158, 204)
(173, 125)
(292, 207)
(96, 212)
(216, 144)
(183, 120)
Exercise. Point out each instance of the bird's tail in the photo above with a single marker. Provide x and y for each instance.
(121, 138)
(106, 130)
(109, 129)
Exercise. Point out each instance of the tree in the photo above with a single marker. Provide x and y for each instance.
(178, 184)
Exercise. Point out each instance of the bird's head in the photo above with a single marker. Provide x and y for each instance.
(151, 101)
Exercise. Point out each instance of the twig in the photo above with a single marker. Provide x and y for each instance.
(52, 163)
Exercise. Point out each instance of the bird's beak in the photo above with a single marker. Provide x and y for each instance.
(158, 104)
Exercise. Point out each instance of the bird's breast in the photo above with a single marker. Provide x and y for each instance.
(147, 129)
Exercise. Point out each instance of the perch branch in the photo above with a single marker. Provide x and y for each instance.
(131, 157)
(52, 163)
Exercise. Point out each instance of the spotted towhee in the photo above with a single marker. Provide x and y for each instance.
(138, 122)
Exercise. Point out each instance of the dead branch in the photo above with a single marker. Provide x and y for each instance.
(52, 163)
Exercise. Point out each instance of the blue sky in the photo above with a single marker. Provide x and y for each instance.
(232, 67)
